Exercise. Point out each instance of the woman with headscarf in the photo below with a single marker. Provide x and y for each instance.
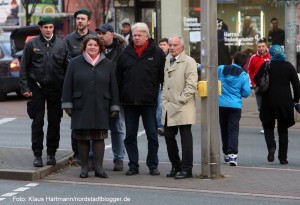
(278, 102)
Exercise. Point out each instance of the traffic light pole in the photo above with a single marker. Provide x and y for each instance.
(210, 146)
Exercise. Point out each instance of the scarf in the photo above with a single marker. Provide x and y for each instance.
(89, 58)
(139, 50)
(277, 53)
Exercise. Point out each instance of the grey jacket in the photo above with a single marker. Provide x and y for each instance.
(73, 42)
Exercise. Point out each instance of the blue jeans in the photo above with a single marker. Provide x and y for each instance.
(230, 124)
(117, 137)
(159, 110)
(132, 116)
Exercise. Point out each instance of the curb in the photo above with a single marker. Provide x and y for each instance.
(30, 175)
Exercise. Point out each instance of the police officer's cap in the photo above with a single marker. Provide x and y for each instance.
(46, 20)
(83, 11)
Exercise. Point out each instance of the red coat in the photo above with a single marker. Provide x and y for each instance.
(255, 62)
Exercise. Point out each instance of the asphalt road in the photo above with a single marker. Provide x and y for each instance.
(53, 193)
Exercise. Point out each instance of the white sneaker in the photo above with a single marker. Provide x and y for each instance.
(262, 132)
(232, 159)
(226, 158)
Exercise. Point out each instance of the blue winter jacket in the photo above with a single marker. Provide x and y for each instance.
(235, 85)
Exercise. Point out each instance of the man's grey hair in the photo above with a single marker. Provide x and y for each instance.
(179, 37)
(141, 27)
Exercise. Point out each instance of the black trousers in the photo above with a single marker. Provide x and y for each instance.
(282, 129)
(229, 124)
(186, 164)
(40, 97)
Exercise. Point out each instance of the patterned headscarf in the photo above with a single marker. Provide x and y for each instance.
(277, 53)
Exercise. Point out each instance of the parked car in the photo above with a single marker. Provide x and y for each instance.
(11, 49)
(9, 69)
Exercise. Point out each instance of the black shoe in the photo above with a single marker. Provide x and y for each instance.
(76, 159)
(118, 165)
(91, 164)
(283, 161)
(271, 155)
(161, 131)
(84, 175)
(38, 162)
(183, 175)
(131, 172)
(154, 172)
(101, 175)
(51, 160)
(172, 173)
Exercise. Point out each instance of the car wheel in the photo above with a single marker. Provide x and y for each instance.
(3, 96)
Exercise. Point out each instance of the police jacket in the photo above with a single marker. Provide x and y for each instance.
(43, 62)
(73, 42)
(139, 77)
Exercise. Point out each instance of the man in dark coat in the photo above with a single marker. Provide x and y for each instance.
(276, 35)
(43, 65)
(113, 49)
(278, 102)
(140, 71)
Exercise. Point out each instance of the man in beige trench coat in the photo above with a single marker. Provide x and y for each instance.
(179, 107)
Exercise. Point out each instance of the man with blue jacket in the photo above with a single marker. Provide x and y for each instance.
(235, 86)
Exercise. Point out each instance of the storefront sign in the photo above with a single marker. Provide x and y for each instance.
(236, 39)
(47, 6)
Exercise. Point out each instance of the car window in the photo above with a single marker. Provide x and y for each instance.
(7, 48)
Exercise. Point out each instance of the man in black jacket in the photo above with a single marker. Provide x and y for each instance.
(113, 49)
(276, 35)
(43, 65)
(140, 71)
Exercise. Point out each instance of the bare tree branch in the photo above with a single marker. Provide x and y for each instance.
(28, 14)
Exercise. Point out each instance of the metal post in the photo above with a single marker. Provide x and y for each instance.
(290, 32)
(210, 146)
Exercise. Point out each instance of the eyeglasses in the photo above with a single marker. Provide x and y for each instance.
(262, 40)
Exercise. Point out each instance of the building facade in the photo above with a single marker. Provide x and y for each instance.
(237, 17)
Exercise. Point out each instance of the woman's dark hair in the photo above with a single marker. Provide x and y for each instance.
(95, 38)
(240, 58)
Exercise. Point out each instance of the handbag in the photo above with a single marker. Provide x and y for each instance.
(263, 83)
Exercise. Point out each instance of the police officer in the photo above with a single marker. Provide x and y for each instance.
(43, 67)
(73, 40)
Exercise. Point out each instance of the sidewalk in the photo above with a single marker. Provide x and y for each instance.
(16, 164)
